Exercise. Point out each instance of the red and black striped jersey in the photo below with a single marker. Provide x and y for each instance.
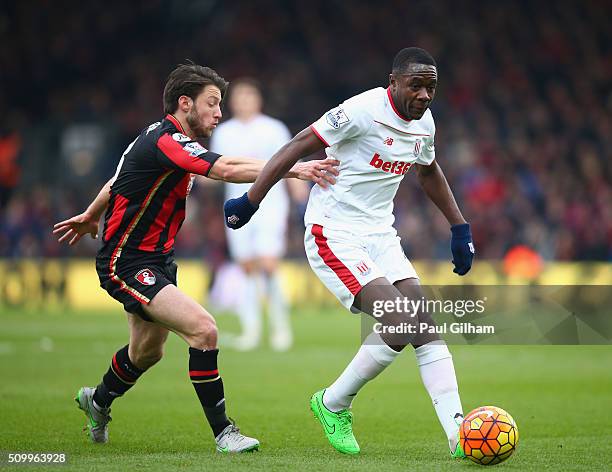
(147, 201)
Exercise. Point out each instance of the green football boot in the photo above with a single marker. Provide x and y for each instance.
(458, 452)
(338, 426)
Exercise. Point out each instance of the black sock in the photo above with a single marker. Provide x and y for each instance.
(208, 385)
(120, 377)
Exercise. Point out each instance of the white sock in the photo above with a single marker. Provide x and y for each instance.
(280, 325)
(371, 359)
(249, 311)
(438, 374)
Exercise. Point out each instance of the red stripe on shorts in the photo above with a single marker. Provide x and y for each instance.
(335, 264)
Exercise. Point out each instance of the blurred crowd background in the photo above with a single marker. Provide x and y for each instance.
(523, 109)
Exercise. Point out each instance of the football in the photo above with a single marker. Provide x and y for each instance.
(488, 435)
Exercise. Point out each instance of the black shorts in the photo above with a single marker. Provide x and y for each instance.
(135, 280)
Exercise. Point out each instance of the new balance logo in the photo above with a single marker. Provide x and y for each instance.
(392, 167)
(232, 220)
(388, 141)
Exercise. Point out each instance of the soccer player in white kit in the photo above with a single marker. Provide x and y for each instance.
(377, 136)
(258, 246)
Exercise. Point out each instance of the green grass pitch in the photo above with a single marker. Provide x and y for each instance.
(560, 396)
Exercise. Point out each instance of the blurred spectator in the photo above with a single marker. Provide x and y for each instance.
(523, 110)
(10, 146)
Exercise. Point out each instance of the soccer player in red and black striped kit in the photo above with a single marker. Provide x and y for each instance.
(145, 207)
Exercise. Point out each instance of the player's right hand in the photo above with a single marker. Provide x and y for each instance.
(75, 227)
(238, 211)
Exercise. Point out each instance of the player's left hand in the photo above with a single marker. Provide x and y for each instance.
(321, 172)
(462, 248)
(238, 211)
(76, 227)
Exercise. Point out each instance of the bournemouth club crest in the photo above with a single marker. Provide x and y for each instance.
(145, 277)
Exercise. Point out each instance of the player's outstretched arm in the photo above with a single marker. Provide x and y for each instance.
(303, 144)
(87, 222)
(238, 211)
(246, 170)
(436, 187)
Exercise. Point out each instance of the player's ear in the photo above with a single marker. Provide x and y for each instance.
(184, 103)
(392, 82)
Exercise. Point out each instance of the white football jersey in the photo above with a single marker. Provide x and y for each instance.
(376, 147)
(261, 137)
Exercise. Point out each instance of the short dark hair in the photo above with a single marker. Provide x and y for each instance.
(189, 80)
(411, 56)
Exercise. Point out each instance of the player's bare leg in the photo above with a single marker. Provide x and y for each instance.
(147, 341)
(181, 314)
(128, 364)
(438, 373)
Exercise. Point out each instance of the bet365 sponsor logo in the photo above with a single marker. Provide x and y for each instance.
(391, 167)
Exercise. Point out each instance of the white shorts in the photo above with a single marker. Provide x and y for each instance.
(263, 236)
(345, 262)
